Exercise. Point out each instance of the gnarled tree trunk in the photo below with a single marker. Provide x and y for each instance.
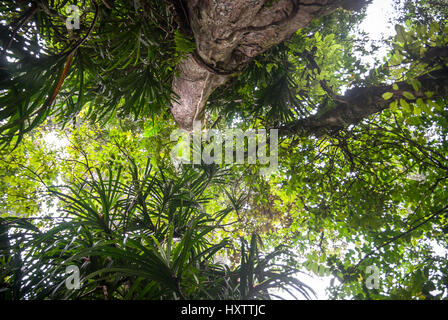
(228, 35)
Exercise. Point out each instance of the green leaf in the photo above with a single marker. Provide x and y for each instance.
(401, 33)
(417, 110)
(434, 27)
(387, 95)
(424, 106)
(405, 105)
(416, 85)
(393, 105)
(184, 44)
(436, 106)
(408, 95)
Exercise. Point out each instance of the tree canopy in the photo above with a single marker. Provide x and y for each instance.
(362, 172)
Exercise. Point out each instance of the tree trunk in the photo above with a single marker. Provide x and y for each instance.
(228, 35)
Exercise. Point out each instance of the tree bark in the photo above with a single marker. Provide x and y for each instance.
(363, 102)
(228, 35)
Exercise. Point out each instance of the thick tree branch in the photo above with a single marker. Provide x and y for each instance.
(363, 102)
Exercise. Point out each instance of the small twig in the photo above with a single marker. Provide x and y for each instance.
(216, 122)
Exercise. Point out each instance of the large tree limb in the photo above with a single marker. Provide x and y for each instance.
(363, 102)
(228, 35)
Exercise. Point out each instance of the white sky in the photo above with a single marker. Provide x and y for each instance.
(376, 23)
(378, 26)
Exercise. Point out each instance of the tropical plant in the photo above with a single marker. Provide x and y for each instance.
(135, 234)
(363, 151)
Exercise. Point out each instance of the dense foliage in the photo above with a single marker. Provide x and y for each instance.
(108, 199)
